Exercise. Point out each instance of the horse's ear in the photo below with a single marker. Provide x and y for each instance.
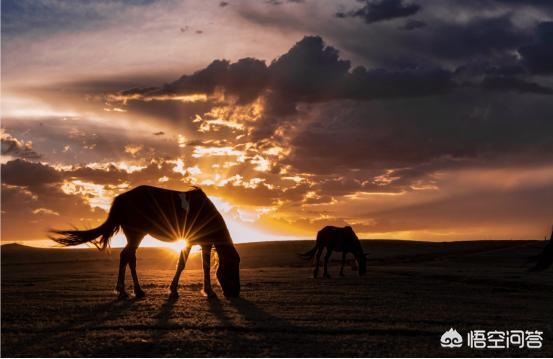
(348, 227)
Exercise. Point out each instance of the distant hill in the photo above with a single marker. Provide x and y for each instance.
(284, 253)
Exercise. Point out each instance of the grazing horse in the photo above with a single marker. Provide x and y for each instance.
(545, 258)
(340, 240)
(166, 215)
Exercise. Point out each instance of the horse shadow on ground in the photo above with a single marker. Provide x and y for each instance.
(73, 329)
(254, 329)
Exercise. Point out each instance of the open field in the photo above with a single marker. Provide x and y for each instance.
(61, 303)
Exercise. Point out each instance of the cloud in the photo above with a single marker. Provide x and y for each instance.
(33, 201)
(510, 202)
(309, 72)
(13, 147)
(373, 130)
(538, 56)
(245, 78)
(515, 84)
(78, 140)
(22, 173)
(413, 25)
(480, 37)
(464, 125)
(27, 16)
(383, 10)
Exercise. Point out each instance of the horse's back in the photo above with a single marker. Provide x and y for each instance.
(337, 238)
(166, 214)
(153, 191)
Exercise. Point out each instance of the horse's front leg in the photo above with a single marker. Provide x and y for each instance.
(317, 262)
(183, 257)
(344, 253)
(206, 264)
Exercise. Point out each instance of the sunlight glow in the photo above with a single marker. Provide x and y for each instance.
(147, 98)
(119, 241)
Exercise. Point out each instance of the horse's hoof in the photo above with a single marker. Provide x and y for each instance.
(122, 295)
(173, 294)
(139, 293)
(326, 276)
(208, 293)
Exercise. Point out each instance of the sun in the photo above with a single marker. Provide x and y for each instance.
(176, 246)
(119, 240)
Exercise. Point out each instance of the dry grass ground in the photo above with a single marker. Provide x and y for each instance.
(61, 303)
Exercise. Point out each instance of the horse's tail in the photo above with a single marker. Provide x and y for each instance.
(75, 237)
(309, 254)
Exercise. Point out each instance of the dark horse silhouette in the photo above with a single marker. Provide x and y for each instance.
(168, 216)
(340, 240)
(545, 258)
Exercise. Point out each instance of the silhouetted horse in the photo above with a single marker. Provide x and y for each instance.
(168, 216)
(340, 240)
(545, 258)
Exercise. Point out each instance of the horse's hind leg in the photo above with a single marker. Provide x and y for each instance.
(327, 257)
(138, 292)
(123, 260)
(183, 257)
(133, 241)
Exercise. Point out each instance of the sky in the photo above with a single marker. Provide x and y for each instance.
(422, 119)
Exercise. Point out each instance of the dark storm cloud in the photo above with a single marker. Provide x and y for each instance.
(412, 25)
(313, 72)
(382, 10)
(538, 56)
(468, 125)
(479, 37)
(309, 72)
(244, 78)
(515, 85)
(404, 126)
(538, 3)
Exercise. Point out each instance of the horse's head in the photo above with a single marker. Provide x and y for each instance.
(228, 272)
(360, 256)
